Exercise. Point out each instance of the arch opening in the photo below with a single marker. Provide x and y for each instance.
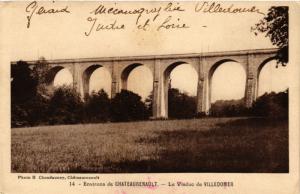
(227, 84)
(100, 79)
(271, 77)
(58, 76)
(95, 78)
(125, 74)
(140, 81)
(179, 87)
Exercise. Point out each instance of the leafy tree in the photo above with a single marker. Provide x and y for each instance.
(128, 106)
(40, 72)
(28, 105)
(23, 83)
(97, 107)
(65, 106)
(181, 105)
(276, 26)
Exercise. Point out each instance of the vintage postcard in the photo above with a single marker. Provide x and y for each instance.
(149, 97)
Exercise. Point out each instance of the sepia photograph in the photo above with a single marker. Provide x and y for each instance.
(214, 110)
(211, 111)
(149, 96)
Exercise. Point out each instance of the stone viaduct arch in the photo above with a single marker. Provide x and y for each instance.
(127, 68)
(161, 66)
(168, 67)
(215, 63)
(86, 76)
(53, 71)
(259, 68)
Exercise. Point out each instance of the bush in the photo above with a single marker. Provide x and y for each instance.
(181, 105)
(267, 105)
(97, 107)
(65, 106)
(272, 105)
(128, 106)
(229, 108)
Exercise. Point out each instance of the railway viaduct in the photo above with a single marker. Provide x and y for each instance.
(161, 66)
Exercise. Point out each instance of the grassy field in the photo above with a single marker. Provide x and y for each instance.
(198, 145)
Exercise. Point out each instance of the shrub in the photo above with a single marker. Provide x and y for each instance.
(181, 105)
(97, 107)
(272, 105)
(267, 105)
(229, 108)
(65, 106)
(128, 106)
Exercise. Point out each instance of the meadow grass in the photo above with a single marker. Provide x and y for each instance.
(196, 145)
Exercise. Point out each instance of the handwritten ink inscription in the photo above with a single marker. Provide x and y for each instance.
(151, 15)
(98, 26)
(213, 7)
(164, 16)
(33, 8)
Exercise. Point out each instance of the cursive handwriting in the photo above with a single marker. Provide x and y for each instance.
(33, 8)
(98, 26)
(156, 11)
(168, 24)
(213, 7)
(101, 9)
(170, 7)
(165, 16)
